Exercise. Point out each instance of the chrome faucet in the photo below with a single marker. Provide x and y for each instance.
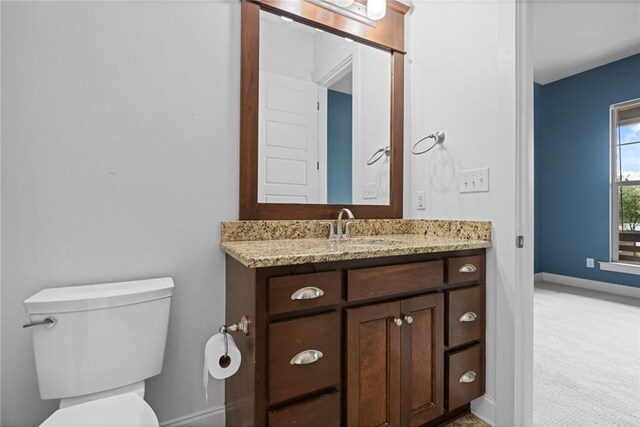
(339, 233)
(350, 218)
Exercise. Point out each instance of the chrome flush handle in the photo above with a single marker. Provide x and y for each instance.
(49, 322)
(309, 292)
(467, 268)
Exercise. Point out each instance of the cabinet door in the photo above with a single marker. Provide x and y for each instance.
(373, 365)
(422, 359)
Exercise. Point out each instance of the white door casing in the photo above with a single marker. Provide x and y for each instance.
(288, 140)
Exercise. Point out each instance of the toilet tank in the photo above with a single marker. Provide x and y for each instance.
(104, 337)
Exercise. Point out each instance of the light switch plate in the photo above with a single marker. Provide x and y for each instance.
(590, 263)
(369, 191)
(474, 180)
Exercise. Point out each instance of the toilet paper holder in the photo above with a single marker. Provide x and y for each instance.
(242, 326)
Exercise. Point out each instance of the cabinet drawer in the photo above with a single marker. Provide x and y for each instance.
(319, 412)
(465, 315)
(465, 269)
(304, 291)
(366, 283)
(304, 355)
(465, 375)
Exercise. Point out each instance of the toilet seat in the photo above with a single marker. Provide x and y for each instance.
(125, 410)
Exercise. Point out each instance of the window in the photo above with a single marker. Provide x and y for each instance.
(625, 183)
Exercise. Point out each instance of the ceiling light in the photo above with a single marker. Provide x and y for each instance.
(286, 19)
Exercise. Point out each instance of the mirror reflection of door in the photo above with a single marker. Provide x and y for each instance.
(324, 109)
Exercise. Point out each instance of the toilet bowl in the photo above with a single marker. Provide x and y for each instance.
(95, 346)
(124, 410)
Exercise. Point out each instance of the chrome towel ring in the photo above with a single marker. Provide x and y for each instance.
(438, 137)
(378, 155)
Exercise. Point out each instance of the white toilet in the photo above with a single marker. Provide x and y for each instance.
(95, 346)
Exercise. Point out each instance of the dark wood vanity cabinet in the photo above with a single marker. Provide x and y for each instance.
(395, 362)
(395, 341)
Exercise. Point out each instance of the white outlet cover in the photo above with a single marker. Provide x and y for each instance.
(590, 263)
(421, 200)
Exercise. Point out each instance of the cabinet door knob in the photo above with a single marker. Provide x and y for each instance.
(306, 357)
(310, 292)
(468, 377)
(469, 316)
(408, 319)
(467, 268)
(397, 321)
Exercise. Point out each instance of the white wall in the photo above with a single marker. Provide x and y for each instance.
(285, 49)
(372, 119)
(120, 159)
(461, 68)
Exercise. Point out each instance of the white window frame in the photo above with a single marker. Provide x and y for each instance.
(614, 187)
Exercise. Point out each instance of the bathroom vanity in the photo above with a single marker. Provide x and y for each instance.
(386, 327)
(375, 330)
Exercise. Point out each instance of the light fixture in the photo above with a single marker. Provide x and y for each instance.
(376, 9)
(286, 19)
(366, 11)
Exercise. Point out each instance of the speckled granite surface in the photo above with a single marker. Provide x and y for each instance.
(271, 243)
(236, 231)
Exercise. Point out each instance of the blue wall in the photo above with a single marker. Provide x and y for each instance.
(339, 151)
(572, 169)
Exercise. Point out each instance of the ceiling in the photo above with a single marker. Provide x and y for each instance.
(570, 37)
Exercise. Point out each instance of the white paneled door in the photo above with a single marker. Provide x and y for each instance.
(288, 140)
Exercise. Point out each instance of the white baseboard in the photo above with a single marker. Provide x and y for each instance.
(212, 417)
(485, 408)
(537, 277)
(593, 285)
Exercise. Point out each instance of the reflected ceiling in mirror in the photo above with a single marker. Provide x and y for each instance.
(324, 117)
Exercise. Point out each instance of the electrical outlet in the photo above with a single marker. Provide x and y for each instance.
(421, 200)
(369, 191)
(474, 180)
(590, 263)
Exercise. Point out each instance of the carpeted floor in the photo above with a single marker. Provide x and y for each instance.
(586, 358)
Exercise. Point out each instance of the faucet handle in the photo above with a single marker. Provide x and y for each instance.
(332, 233)
(347, 223)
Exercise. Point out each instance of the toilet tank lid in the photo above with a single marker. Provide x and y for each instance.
(95, 297)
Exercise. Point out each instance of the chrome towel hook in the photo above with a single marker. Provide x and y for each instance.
(438, 137)
(378, 155)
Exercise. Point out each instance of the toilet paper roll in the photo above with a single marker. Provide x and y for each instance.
(215, 362)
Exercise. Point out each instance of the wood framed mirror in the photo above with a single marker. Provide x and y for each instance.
(321, 124)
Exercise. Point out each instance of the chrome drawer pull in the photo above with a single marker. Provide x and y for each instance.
(469, 316)
(310, 292)
(306, 357)
(468, 377)
(467, 268)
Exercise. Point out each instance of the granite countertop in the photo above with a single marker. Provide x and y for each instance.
(299, 242)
